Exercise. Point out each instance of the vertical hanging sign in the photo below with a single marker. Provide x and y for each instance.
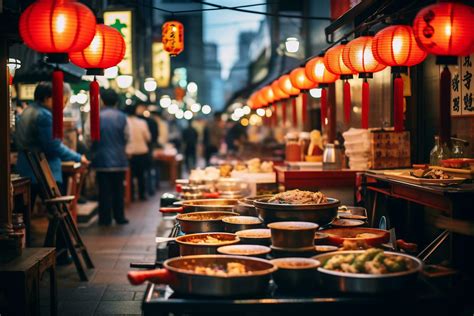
(122, 22)
(462, 87)
(161, 65)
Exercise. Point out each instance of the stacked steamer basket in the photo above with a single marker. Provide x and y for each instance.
(357, 144)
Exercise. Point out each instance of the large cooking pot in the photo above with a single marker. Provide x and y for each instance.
(246, 205)
(202, 205)
(203, 222)
(321, 214)
(180, 274)
(371, 236)
(367, 283)
(188, 245)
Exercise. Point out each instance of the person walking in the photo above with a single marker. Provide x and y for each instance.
(137, 150)
(110, 160)
(34, 133)
(213, 136)
(190, 139)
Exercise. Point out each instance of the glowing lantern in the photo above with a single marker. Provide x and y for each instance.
(261, 99)
(317, 72)
(396, 46)
(357, 55)
(334, 63)
(278, 93)
(172, 34)
(267, 94)
(106, 50)
(57, 27)
(300, 81)
(286, 86)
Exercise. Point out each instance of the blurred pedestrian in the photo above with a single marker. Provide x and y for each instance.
(138, 152)
(110, 160)
(213, 136)
(190, 140)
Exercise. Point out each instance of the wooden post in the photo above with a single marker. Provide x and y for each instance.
(5, 184)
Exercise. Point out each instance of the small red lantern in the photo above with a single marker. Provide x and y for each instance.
(396, 46)
(57, 27)
(357, 55)
(286, 86)
(300, 81)
(277, 92)
(261, 99)
(334, 63)
(317, 72)
(106, 50)
(267, 94)
(172, 34)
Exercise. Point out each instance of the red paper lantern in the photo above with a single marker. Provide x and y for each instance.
(172, 36)
(316, 71)
(334, 63)
(300, 81)
(357, 55)
(286, 86)
(445, 29)
(57, 26)
(261, 99)
(396, 46)
(106, 50)
(267, 94)
(277, 92)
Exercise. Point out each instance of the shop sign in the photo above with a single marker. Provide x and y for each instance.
(462, 86)
(26, 92)
(122, 21)
(161, 65)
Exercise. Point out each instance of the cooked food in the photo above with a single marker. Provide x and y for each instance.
(366, 235)
(232, 268)
(298, 197)
(225, 170)
(371, 261)
(297, 264)
(204, 217)
(247, 220)
(430, 174)
(207, 239)
(244, 250)
(348, 244)
(254, 233)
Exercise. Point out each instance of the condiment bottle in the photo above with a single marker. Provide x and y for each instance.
(304, 141)
(292, 148)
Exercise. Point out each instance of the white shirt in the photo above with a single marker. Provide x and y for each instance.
(139, 136)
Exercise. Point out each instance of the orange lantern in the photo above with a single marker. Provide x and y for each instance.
(357, 55)
(334, 63)
(262, 101)
(172, 36)
(300, 81)
(286, 86)
(396, 46)
(277, 92)
(267, 94)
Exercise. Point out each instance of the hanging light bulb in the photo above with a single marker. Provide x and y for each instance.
(206, 109)
(292, 44)
(150, 84)
(124, 81)
(165, 101)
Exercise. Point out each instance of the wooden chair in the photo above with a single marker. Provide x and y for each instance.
(59, 214)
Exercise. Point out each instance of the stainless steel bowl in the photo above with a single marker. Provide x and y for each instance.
(234, 224)
(296, 274)
(367, 283)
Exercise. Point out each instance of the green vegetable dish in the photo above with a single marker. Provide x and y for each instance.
(372, 261)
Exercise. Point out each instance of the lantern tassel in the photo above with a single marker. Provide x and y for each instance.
(95, 109)
(444, 106)
(398, 103)
(347, 102)
(283, 110)
(58, 103)
(275, 115)
(324, 107)
(304, 108)
(365, 104)
(295, 113)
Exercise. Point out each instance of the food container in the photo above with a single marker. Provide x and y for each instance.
(352, 212)
(201, 205)
(292, 148)
(258, 251)
(306, 252)
(233, 224)
(246, 207)
(371, 236)
(367, 283)
(320, 238)
(188, 244)
(203, 222)
(259, 236)
(293, 234)
(322, 214)
(304, 141)
(296, 274)
(344, 222)
(325, 248)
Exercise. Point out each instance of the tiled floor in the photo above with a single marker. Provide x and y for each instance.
(112, 249)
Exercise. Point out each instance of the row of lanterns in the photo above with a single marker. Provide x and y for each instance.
(67, 30)
(442, 29)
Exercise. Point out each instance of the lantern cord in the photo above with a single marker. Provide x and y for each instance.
(324, 107)
(95, 110)
(398, 103)
(365, 104)
(58, 102)
(304, 108)
(444, 106)
(347, 101)
(294, 115)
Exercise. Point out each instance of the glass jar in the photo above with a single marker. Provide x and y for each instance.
(439, 152)
(19, 227)
(292, 147)
(304, 141)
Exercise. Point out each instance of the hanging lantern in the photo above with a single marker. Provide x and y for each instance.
(267, 94)
(445, 29)
(300, 81)
(395, 46)
(57, 27)
(172, 34)
(262, 101)
(357, 55)
(317, 72)
(286, 86)
(334, 63)
(106, 50)
(251, 101)
(277, 92)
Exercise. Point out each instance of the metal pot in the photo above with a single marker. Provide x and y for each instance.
(259, 236)
(337, 236)
(180, 275)
(202, 205)
(246, 205)
(236, 223)
(296, 274)
(293, 234)
(321, 214)
(203, 222)
(367, 283)
(245, 250)
(188, 248)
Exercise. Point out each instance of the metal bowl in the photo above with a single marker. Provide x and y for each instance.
(293, 234)
(233, 224)
(367, 283)
(187, 247)
(296, 274)
(259, 236)
(321, 214)
(258, 251)
(203, 222)
(245, 206)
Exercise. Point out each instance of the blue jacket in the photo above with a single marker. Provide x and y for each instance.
(34, 132)
(108, 154)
